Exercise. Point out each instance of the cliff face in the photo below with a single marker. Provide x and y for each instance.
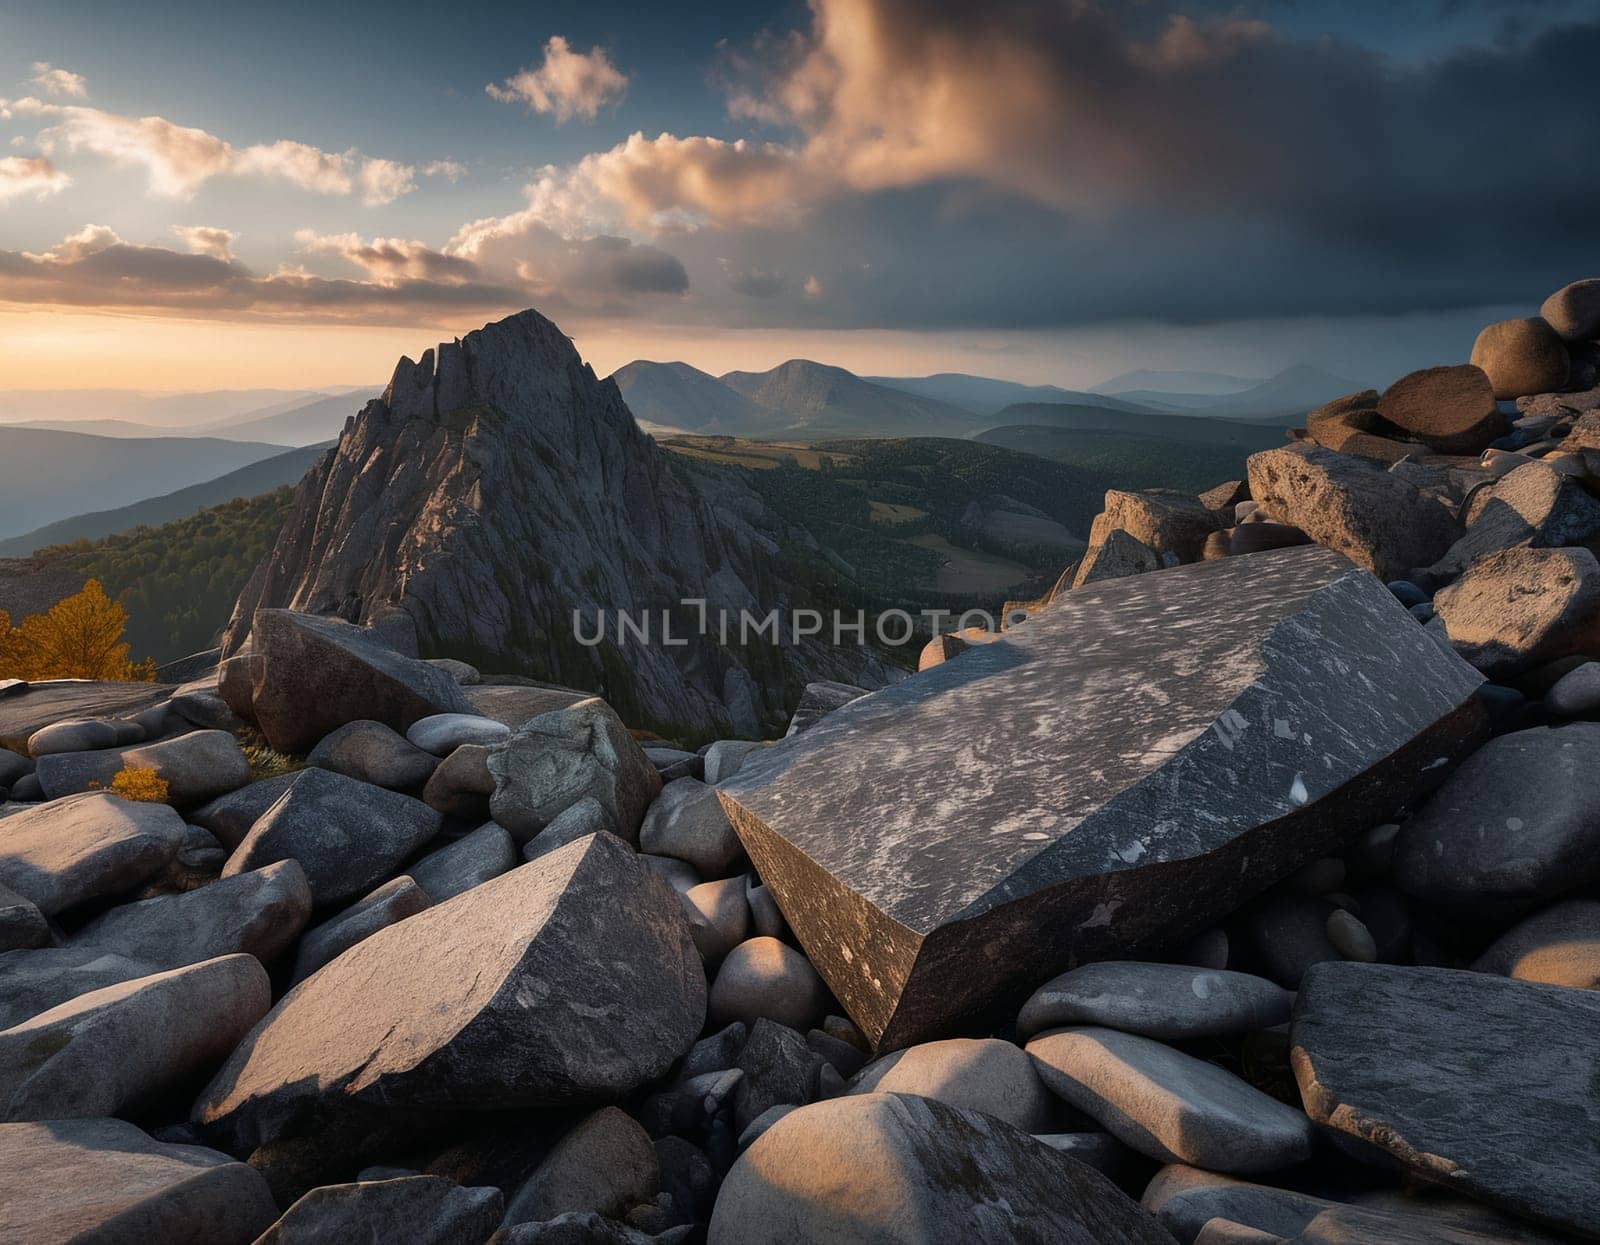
(498, 487)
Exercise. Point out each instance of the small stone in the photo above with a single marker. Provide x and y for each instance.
(764, 978)
(719, 916)
(1559, 946)
(106, 1182)
(375, 753)
(845, 1058)
(1350, 937)
(74, 735)
(778, 1068)
(898, 1169)
(470, 861)
(1172, 1002)
(119, 1048)
(1521, 357)
(605, 1165)
(85, 847)
(1291, 934)
(392, 902)
(1577, 693)
(554, 760)
(764, 913)
(687, 821)
(347, 835)
(462, 785)
(1573, 311)
(419, 1210)
(974, 1074)
(1169, 1106)
(443, 733)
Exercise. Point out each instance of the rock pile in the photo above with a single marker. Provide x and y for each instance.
(1265, 911)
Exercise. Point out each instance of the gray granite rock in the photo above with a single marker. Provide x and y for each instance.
(34, 981)
(462, 784)
(1374, 518)
(1576, 693)
(470, 861)
(553, 761)
(1117, 557)
(13, 766)
(765, 918)
(1518, 823)
(571, 979)
(820, 699)
(348, 836)
(419, 1210)
(1559, 946)
(678, 874)
(1172, 1002)
(230, 816)
(118, 1049)
(1533, 506)
(105, 1181)
(719, 916)
(392, 902)
(1101, 1151)
(588, 816)
(311, 675)
(22, 925)
(902, 1170)
(259, 913)
(1523, 607)
(196, 767)
(778, 1067)
(764, 978)
(605, 1165)
(1488, 1086)
(443, 733)
(1169, 1106)
(516, 703)
(462, 672)
(372, 752)
(73, 735)
(1135, 762)
(975, 1074)
(1291, 934)
(687, 821)
(43, 704)
(85, 847)
(725, 758)
(1352, 939)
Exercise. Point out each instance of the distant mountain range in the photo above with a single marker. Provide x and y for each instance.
(1144, 380)
(46, 475)
(984, 396)
(257, 478)
(304, 418)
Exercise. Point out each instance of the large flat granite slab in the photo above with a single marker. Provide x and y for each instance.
(1117, 772)
(42, 704)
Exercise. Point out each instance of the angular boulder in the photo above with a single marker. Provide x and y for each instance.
(348, 836)
(375, 753)
(196, 767)
(85, 847)
(470, 861)
(571, 979)
(419, 1210)
(310, 675)
(119, 1048)
(1573, 311)
(688, 823)
(554, 760)
(1451, 409)
(1522, 607)
(1374, 518)
(902, 1170)
(392, 902)
(820, 699)
(230, 816)
(1134, 763)
(1164, 520)
(1488, 1086)
(107, 1182)
(1117, 556)
(1521, 357)
(1534, 506)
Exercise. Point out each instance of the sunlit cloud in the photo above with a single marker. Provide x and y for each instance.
(30, 175)
(567, 84)
(207, 240)
(179, 159)
(452, 171)
(59, 82)
(389, 260)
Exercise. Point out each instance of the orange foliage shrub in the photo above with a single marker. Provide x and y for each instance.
(143, 785)
(79, 637)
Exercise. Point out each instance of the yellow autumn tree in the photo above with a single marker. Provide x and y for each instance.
(79, 637)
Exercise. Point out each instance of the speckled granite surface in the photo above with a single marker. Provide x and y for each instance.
(1115, 772)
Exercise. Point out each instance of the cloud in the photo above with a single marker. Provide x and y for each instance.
(58, 82)
(207, 240)
(389, 261)
(568, 84)
(179, 159)
(450, 170)
(752, 282)
(30, 175)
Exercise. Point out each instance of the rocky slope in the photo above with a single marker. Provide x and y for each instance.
(497, 489)
(473, 965)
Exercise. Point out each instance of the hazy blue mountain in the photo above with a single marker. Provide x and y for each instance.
(675, 395)
(99, 427)
(802, 398)
(47, 475)
(1175, 383)
(1291, 393)
(257, 478)
(984, 395)
(320, 418)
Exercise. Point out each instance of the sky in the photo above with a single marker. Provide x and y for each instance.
(203, 196)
